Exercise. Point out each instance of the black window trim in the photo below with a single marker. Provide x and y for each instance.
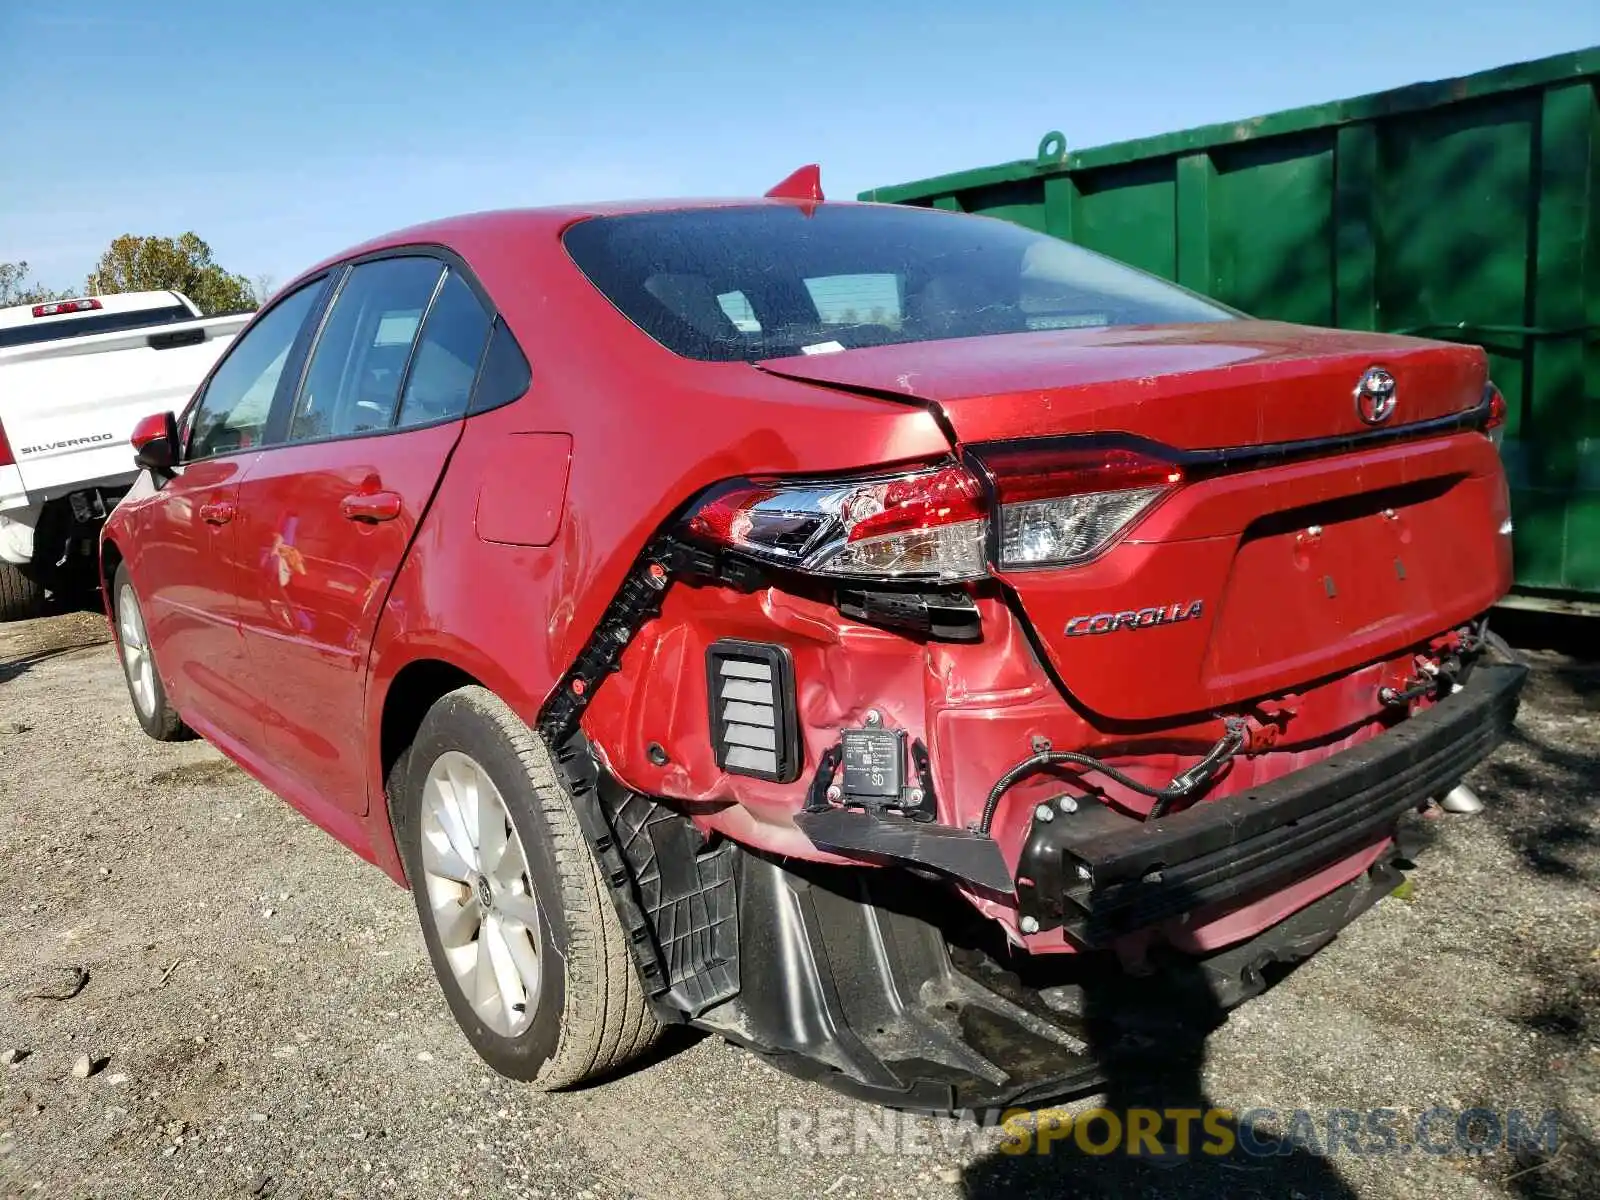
(291, 367)
(275, 434)
(283, 403)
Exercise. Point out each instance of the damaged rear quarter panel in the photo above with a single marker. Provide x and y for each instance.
(977, 706)
(648, 431)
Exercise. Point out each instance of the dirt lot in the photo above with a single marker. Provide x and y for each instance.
(269, 1024)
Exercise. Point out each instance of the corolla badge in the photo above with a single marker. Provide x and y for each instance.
(1142, 618)
(1375, 396)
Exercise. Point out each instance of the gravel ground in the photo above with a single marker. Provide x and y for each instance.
(260, 1018)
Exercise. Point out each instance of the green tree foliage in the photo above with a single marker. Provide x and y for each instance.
(184, 264)
(17, 288)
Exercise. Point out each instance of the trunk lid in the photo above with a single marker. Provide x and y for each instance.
(1345, 542)
(1223, 384)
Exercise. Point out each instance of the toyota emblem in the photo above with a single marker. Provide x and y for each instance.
(1375, 396)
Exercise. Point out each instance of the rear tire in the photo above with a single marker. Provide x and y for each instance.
(156, 716)
(500, 870)
(21, 596)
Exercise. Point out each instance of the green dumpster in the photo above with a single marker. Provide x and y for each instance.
(1466, 209)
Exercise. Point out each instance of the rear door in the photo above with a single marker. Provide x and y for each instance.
(332, 508)
(183, 554)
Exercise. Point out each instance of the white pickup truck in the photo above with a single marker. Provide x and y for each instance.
(75, 377)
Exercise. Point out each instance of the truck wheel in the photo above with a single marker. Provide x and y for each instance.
(21, 596)
(517, 920)
(158, 718)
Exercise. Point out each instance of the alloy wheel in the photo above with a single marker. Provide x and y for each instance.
(480, 896)
(136, 660)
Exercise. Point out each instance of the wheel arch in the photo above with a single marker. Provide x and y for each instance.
(415, 689)
(396, 710)
(111, 557)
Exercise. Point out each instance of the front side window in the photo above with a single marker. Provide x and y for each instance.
(756, 282)
(232, 414)
(352, 383)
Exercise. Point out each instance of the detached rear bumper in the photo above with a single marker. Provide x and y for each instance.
(890, 988)
(1101, 875)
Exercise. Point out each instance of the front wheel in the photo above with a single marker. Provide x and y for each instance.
(517, 920)
(157, 717)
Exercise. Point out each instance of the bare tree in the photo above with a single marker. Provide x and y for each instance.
(263, 286)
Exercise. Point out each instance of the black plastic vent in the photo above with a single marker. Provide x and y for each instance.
(753, 725)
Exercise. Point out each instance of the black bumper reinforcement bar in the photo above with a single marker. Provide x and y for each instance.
(1100, 874)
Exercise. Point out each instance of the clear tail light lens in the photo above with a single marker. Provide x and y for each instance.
(1053, 505)
(1060, 505)
(927, 524)
(1068, 530)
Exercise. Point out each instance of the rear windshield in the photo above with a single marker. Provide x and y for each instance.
(750, 283)
(106, 322)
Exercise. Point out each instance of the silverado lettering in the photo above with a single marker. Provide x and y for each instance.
(92, 439)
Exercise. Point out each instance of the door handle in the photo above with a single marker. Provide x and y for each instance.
(217, 512)
(371, 506)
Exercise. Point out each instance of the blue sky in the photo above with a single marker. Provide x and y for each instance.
(282, 132)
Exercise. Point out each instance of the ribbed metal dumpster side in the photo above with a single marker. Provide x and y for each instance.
(1466, 209)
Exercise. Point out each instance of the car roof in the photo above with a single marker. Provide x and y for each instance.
(485, 230)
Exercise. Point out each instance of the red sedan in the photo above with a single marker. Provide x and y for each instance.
(851, 629)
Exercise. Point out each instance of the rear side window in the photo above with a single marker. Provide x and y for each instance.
(756, 282)
(352, 384)
(447, 357)
(232, 414)
(506, 375)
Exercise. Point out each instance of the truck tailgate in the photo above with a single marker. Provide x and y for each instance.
(69, 407)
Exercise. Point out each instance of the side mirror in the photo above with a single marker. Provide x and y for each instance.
(155, 443)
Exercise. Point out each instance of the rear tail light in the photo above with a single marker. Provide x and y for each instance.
(1056, 505)
(1060, 505)
(1495, 424)
(59, 308)
(925, 524)
(753, 718)
(7, 458)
